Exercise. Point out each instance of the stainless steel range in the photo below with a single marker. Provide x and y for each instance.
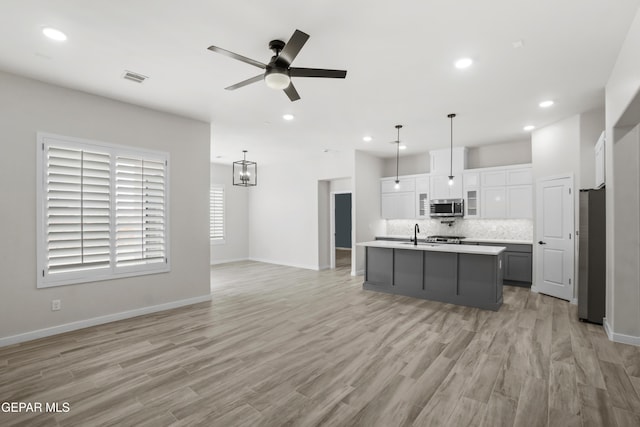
(445, 239)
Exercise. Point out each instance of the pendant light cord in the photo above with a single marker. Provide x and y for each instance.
(398, 155)
(451, 116)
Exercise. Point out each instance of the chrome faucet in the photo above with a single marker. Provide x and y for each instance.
(416, 230)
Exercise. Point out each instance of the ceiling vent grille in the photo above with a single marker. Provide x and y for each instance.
(134, 77)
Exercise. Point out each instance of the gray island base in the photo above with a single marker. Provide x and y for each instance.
(446, 273)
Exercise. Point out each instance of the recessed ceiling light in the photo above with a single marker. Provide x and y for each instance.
(463, 63)
(402, 147)
(288, 116)
(529, 127)
(367, 138)
(54, 34)
(545, 104)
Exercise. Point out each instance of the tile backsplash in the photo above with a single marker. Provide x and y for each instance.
(508, 229)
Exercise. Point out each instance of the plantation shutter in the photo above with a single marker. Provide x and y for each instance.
(140, 236)
(216, 207)
(77, 210)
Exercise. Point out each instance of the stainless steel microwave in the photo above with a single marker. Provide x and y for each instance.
(447, 207)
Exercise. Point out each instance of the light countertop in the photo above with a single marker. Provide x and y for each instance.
(468, 239)
(436, 247)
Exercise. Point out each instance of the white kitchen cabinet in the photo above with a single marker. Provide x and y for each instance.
(388, 185)
(442, 161)
(398, 205)
(494, 202)
(471, 179)
(519, 176)
(600, 160)
(520, 201)
(472, 202)
(493, 178)
(440, 188)
(422, 197)
(471, 194)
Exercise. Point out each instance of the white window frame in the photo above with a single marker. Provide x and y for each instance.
(45, 279)
(220, 240)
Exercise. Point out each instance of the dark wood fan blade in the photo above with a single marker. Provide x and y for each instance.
(246, 82)
(291, 92)
(292, 48)
(238, 57)
(317, 72)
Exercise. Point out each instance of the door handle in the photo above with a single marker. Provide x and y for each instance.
(542, 243)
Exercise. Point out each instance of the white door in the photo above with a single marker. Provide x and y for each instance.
(554, 237)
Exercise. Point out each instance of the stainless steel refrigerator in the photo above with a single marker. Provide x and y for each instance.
(592, 256)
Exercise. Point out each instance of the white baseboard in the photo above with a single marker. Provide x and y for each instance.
(324, 267)
(534, 289)
(225, 261)
(357, 273)
(621, 338)
(287, 264)
(67, 327)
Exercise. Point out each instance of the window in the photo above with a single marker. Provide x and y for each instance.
(216, 221)
(102, 211)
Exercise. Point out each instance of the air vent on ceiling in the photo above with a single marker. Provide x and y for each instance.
(134, 77)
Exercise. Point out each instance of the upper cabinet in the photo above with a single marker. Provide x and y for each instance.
(506, 192)
(400, 202)
(599, 152)
(440, 188)
(442, 161)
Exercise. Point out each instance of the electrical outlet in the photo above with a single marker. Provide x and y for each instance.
(56, 305)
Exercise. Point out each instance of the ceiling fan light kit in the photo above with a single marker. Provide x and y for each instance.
(278, 72)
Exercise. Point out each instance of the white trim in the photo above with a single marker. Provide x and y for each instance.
(287, 264)
(225, 261)
(324, 267)
(621, 338)
(357, 273)
(73, 326)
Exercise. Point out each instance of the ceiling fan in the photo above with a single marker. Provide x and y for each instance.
(278, 72)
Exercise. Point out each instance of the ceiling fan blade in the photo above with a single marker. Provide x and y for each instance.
(292, 48)
(238, 57)
(317, 72)
(291, 92)
(246, 82)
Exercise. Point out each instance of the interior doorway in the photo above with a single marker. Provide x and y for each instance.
(341, 230)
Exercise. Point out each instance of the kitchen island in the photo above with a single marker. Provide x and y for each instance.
(456, 274)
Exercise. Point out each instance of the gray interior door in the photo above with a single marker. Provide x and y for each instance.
(343, 220)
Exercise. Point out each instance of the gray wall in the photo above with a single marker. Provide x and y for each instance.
(503, 154)
(627, 233)
(28, 106)
(236, 245)
(591, 126)
(484, 156)
(622, 102)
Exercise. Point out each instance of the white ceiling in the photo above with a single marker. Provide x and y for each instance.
(399, 56)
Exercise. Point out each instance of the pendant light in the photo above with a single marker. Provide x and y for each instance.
(245, 172)
(451, 116)
(397, 186)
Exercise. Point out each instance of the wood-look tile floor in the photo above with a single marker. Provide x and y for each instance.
(284, 346)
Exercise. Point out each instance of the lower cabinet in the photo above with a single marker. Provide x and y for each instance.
(473, 280)
(517, 262)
